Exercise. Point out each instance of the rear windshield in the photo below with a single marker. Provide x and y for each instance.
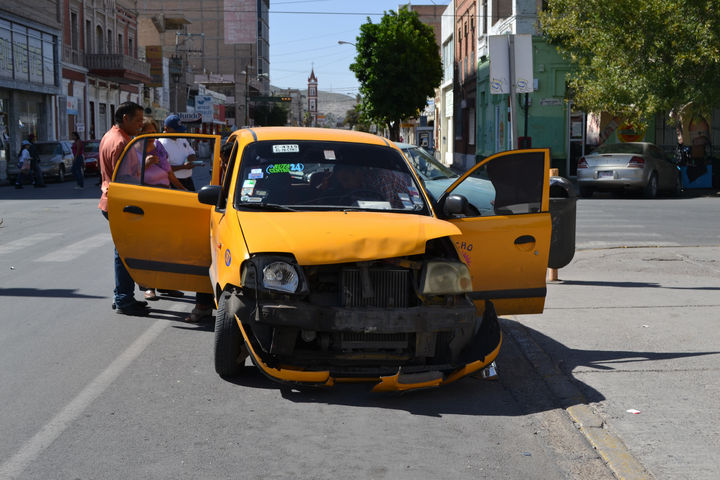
(92, 147)
(49, 148)
(311, 175)
(620, 148)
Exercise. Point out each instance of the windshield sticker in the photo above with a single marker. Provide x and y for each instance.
(255, 173)
(261, 193)
(284, 168)
(254, 200)
(292, 148)
(329, 154)
(417, 200)
(248, 187)
(375, 204)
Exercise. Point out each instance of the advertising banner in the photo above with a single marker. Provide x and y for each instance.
(499, 64)
(240, 21)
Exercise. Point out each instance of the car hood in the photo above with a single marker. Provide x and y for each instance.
(317, 238)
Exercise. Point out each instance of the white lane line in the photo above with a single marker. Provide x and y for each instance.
(76, 249)
(33, 448)
(599, 244)
(624, 234)
(25, 242)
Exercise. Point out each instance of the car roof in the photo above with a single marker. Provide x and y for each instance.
(307, 133)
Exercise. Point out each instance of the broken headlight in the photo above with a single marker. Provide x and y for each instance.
(445, 278)
(280, 276)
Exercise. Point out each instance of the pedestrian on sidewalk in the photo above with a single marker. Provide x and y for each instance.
(23, 163)
(35, 163)
(128, 123)
(78, 169)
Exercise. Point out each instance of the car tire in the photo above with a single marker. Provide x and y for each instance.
(586, 192)
(61, 174)
(651, 187)
(230, 350)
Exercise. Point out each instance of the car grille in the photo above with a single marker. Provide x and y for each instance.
(385, 288)
(373, 341)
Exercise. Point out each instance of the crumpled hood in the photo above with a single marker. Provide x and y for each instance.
(317, 238)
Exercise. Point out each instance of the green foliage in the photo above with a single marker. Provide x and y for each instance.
(355, 119)
(398, 66)
(270, 114)
(635, 58)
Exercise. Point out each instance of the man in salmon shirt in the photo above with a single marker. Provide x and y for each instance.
(128, 123)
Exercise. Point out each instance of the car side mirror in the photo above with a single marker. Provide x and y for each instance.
(455, 205)
(209, 194)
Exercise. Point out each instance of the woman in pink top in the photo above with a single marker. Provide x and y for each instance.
(158, 172)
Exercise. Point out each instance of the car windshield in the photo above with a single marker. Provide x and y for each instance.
(633, 148)
(317, 175)
(426, 166)
(92, 147)
(49, 148)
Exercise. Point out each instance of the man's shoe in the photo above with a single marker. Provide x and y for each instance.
(135, 309)
(143, 303)
(151, 295)
(200, 315)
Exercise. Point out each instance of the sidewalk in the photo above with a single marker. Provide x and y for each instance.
(637, 330)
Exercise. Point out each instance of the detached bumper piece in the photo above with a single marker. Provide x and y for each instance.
(405, 349)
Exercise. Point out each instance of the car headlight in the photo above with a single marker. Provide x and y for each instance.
(446, 278)
(280, 276)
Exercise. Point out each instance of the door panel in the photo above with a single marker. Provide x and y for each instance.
(505, 237)
(161, 234)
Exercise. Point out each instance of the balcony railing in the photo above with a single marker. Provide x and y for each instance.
(118, 68)
(74, 57)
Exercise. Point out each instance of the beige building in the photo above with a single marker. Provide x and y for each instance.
(222, 44)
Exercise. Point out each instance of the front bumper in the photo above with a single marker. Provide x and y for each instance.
(477, 350)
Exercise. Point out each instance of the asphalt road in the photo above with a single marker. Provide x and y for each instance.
(86, 393)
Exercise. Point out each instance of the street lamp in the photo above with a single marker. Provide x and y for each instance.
(343, 42)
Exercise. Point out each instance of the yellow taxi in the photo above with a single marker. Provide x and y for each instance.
(329, 262)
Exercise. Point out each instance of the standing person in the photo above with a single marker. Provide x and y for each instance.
(128, 122)
(78, 150)
(180, 154)
(157, 174)
(35, 163)
(24, 163)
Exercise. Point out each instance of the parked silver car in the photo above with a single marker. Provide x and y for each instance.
(56, 159)
(624, 166)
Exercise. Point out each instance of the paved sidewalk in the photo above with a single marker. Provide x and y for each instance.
(636, 329)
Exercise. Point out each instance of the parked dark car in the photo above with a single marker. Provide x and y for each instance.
(92, 153)
(56, 160)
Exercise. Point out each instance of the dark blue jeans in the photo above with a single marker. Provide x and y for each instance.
(124, 294)
(77, 170)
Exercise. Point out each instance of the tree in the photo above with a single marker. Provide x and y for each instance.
(272, 114)
(398, 67)
(635, 58)
(355, 120)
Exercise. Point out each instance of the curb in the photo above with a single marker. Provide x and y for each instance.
(608, 445)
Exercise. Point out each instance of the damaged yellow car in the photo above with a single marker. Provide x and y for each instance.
(329, 260)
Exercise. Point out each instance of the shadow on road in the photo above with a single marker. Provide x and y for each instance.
(47, 293)
(595, 283)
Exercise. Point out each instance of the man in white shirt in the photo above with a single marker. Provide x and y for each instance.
(181, 155)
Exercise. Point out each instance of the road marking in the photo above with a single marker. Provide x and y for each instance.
(633, 244)
(624, 234)
(26, 242)
(76, 249)
(33, 448)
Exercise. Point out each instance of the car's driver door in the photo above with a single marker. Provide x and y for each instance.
(161, 234)
(505, 228)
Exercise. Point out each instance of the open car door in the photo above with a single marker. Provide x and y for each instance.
(161, 234)
(506, 228)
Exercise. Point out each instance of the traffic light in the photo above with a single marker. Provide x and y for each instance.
(286, 99)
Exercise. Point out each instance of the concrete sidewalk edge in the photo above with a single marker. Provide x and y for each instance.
(608, 445)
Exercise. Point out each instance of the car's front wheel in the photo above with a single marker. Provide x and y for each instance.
(230, 350)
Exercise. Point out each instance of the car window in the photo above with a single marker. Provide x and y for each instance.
(426, 166)
(634, 148)
(308, 175)
(505, 186)
(92, 147)
(49, 148)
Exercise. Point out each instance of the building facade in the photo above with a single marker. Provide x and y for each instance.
(30, 39)
(465, 74)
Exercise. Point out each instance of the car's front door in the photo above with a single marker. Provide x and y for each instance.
(506, 229)
(161, 234)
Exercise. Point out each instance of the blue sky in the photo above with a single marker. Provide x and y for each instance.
(305, 33)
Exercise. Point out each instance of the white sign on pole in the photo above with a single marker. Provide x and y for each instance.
(523, 64)
(204, 106)
(499, 64)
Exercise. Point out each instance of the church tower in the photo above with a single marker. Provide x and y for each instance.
(312, 98)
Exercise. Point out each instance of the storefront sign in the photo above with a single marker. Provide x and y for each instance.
(153, 54)
(72, 105)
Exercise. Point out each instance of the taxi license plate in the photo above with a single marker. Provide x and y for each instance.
(605, 174)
